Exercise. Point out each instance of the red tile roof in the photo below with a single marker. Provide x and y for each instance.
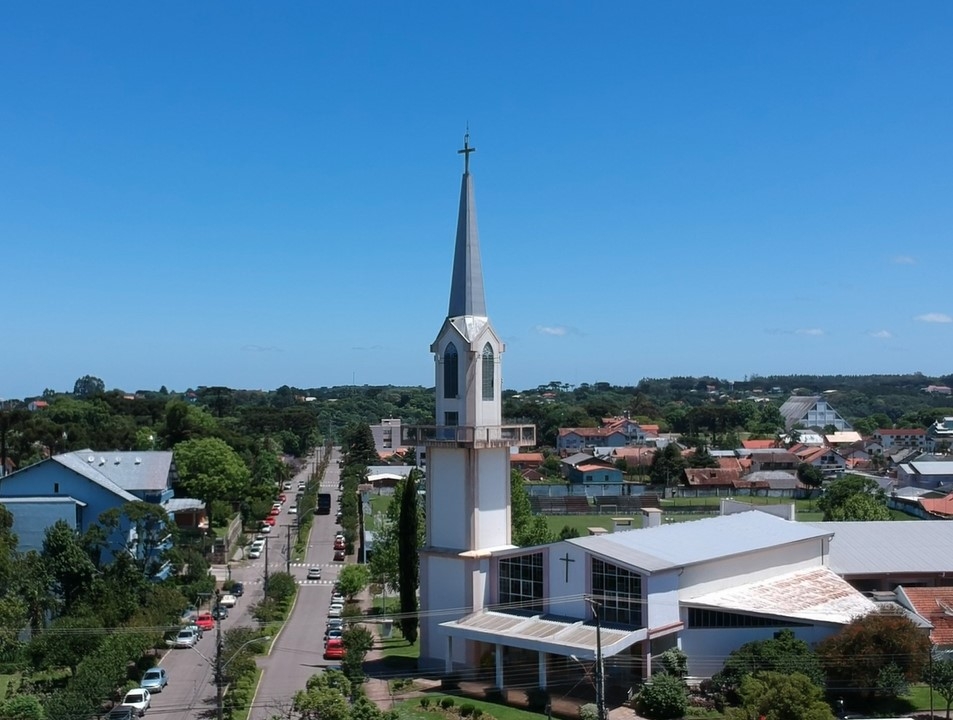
(527, 457)
(936, 605)
(588, 432)
(758, 444)
(938, 506)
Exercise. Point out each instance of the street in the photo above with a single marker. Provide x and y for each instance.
(297, 650)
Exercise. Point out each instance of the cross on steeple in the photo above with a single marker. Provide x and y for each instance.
(466, 152)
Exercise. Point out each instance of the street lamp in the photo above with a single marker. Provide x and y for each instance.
(600, 666)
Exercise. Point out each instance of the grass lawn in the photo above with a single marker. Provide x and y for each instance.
(380, 503)
(412, 709)
(398, 647)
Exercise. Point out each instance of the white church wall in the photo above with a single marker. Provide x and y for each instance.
(567, 573)
(447, 507)
(661, 593)
(707, 649)
(493, 521)
(446, 588)
(750, 567)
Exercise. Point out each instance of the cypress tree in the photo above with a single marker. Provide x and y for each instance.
(409, 560)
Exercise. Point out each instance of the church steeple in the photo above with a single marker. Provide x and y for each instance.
(466, 289)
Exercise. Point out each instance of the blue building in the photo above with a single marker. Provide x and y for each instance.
(78, 487)
(583, 469)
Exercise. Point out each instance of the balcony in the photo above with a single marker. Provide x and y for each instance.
(484, 436)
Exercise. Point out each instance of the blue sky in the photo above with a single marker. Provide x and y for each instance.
(259, 194)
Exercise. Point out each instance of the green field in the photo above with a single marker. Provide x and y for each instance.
(412, 709)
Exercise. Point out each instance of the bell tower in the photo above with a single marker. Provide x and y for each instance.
(468, 451)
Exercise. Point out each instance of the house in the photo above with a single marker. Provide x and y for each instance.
(78, 487)
(526, 461)
(777, 483)
(940, 435)
(825, 459)
(588, 470)
(842, 438)
(776, 459)
(895, 438)
(758, 444)
(928, 474)
(938, 389)
(712, 481)
(935, 605)
(811, 411)
(35, 405)
(575, 439)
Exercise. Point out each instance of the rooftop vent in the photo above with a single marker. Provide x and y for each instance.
(118, 459)
(91, 458)
(138, 461)
(102, 461)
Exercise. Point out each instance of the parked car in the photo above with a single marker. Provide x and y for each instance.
(121, 712)
(283, 497)
(254, 553)
(334, 650)
(138, 700)
(219, 612)
(275, 511)
(154, 680)
(338, 544)
(238, 589)
(337, 598)
(205, 621)
(270, 520)
(314, 573)
(293, 510)
(199, 633)
(330, 635)
(300, 486)
(286, 486)
(335, 611)
(228, 600)
(186, 638)
(334, 624)
(338, 556)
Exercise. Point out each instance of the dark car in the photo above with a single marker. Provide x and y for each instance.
(121, 713)
(219, 612)
(238, 589)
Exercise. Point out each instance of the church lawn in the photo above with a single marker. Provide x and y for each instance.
(412, 709)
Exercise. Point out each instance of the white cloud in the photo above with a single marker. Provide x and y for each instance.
(934, 317)
(810, 331)
(557, 330)
(881, 334)
(904, 260)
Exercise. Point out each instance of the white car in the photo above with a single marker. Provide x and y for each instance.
(337, 599)
(265, 528)
(228, 601)
(293, 510)
(185, 639)
(138, 700)
(335, 611)
(254, 553)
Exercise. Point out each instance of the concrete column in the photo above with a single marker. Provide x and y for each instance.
(542, 668)
(499, 666)
(647, 658)
(448, 656)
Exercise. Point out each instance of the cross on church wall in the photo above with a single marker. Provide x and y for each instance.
(567, 560)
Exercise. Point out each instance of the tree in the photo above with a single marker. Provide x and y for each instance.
(67, 641)
(68, 564)
(361, 449)
(408, 535)
(855, 658)
(701, 458)
(667, 465)
(853, 497)
(150, 526)
(525, 528)
(810, 475)
(939, 676)
(22, 707)
(780, 696)
(210, 470)
(353, 579)
(322, 703)
(88, 386)
(663, 697)
(357, 641)
(784, 653)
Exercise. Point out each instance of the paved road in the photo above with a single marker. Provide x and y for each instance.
(297, 652)
(191, 690)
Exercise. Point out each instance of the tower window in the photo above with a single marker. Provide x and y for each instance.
(451, 375)
(489, 371)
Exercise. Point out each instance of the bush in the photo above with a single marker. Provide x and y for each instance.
(446, 703)
(589, 711)
(425, 702)
(537, 699)
(477, 713)
(281, 586)
(466, 710)
(662, 698)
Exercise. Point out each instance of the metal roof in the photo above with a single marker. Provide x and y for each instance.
(560, 636)
(932, 467)
(142, 470)
(181, 504)
(81, 467)
(34, 499)
(687, 543)
(889, 546)
(466, 287)
(815, 595)
(796, 407)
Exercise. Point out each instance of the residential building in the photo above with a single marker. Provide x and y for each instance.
(583, 469)
(894, 438)
(811, 411)
(940, 436)
(929, 474)
(576, 439)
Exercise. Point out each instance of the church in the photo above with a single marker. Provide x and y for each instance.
(529, 614)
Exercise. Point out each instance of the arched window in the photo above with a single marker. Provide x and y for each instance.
(489, 370)
(451, 375)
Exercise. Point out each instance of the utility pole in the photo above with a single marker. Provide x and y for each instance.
(267, 538)
(219, 680)
(288, 546)
(600, 666)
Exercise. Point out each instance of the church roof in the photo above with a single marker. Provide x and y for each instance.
(815, 595)
(466, 288)
(679, 544)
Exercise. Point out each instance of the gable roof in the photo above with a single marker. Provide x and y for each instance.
(936, 606)
(688, 543)
(140, 470)
(758, 444)
(71, 462)
(796, 407)
(884, 547)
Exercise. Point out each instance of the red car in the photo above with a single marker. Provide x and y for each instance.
(338, 544)
(338, 556)
(275, 511)
(282, 498)
(269, 520)
(205, 621)
(334, 650)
